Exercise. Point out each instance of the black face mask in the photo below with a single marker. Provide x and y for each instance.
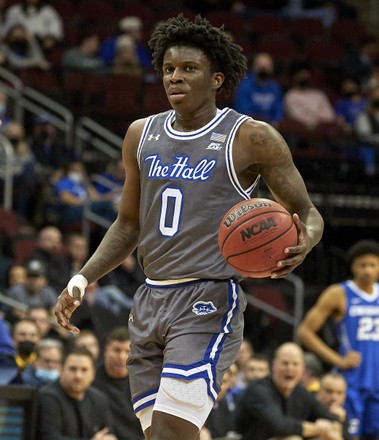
(349, 95)
(375, 104)
(263, 74)
(19, 46)
(303, 83)
(43, 135)
(26, 348)
(14, 141)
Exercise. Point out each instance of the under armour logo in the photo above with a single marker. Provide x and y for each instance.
(154, 136)
(214, 146)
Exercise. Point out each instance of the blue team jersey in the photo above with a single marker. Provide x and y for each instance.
(359, 331)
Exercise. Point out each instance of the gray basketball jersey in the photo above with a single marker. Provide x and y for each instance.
(188, 183)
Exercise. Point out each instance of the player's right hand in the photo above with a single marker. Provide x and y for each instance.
(350, 360)
(65, 307)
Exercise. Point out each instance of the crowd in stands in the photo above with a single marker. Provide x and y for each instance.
(323, 106)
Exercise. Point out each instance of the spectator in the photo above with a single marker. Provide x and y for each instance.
(25, 335)
(304, 103)
(132, 27)
(257, 366)
(126, 60)
(127, 277)
(21, 49)
(9, 371)
(23, 169)
(332, 394)
(88, 339)
(112, 378)
(47, 324)
(77, 250)
(221, 420)
(313, 371)
(351, 102)
(85, 56)
(16, 275)
(48, 148)
(35, 292)
(72, 193)
(47, 365)
(353, 305)
(40, 19)
(111, 181)
(50, 250)
(367, 130)
(245, 353)
(70, 407)
(260, 94)
(4, 110)
(278, 405)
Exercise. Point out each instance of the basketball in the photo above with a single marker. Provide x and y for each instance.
(253, 235)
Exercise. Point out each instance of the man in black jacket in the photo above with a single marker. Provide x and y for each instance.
(70, 408)
(112, 377)
(279, 406)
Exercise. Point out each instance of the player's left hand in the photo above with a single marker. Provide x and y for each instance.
(65, 307)
(296, 254)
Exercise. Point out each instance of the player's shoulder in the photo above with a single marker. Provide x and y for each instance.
(333, 294)
(257, 130)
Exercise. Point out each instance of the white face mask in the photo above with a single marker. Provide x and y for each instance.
(75, 176)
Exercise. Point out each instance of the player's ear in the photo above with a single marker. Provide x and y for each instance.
(218, 79)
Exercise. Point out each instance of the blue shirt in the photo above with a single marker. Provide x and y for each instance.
(349, 109)
(260, 100)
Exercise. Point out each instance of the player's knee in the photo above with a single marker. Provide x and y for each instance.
(188, 400)
(193, 393)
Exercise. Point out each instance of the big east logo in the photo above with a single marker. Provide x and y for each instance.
(257, 228)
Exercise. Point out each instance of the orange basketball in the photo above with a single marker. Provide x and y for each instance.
(253, 235)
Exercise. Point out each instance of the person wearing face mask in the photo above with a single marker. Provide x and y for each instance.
(72, 193)
(367, 129)
(351, 102)
(304, 103)
(260, 94)
(25, 335)
(21, 49)
(23, 170)
(47, 365)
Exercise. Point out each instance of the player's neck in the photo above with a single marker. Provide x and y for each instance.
(366, 287)
(193, 121)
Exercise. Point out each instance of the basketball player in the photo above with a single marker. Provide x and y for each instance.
(354, 307)
(185, 168)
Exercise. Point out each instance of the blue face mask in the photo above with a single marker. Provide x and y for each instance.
(47, 375)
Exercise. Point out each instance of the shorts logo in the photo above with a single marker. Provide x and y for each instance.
(203, 308)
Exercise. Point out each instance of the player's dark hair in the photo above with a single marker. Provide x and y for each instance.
(224, 55)
(362, 247)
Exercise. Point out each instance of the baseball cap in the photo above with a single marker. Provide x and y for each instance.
(131, 23)
(35, 268)
(44, 118)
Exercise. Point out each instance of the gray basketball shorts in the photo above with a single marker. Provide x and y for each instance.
(184, 331)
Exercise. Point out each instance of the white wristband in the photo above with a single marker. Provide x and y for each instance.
(78, 281)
